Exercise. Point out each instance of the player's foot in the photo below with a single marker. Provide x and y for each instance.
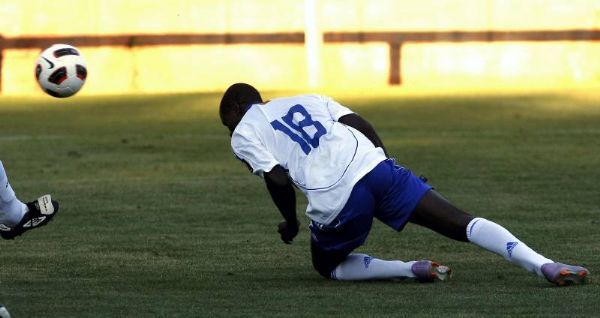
(41, 211)
(428, 271)
(563, 274)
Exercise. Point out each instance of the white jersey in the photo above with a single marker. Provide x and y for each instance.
(323, 157)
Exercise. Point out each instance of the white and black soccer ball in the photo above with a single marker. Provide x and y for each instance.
(60, 70)
(4, 312)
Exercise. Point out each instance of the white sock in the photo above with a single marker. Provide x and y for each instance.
(496, 239)
(11, 209)
(365, 267)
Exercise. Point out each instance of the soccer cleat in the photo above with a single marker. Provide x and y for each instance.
(40, 213)
(428, 271)
(564, 275)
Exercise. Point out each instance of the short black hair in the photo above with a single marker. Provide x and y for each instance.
(238, 96)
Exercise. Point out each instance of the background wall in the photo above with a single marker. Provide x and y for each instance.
(206, 67)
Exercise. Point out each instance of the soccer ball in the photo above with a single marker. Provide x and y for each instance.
(3, 312)
(60, 70)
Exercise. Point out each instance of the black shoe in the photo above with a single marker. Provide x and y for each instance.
(40, 212)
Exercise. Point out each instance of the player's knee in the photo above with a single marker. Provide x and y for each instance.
(326, 261)
(323, 268)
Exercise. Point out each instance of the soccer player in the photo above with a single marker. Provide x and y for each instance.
(337, 160)
(17, 217)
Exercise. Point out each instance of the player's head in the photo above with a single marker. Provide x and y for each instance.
(235, 102)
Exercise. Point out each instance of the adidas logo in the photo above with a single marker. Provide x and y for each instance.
(4, 228)
(367, 260)
(510, 246)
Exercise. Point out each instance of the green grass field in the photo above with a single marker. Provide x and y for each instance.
(159, 220)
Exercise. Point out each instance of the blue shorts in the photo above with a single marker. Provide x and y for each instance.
(389, 193)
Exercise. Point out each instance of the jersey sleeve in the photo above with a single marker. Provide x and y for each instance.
(258, 159)
(336, 109)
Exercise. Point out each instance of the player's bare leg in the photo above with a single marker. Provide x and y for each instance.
(436, 213)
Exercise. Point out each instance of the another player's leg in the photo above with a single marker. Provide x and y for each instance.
(436, 213)
(17, 217)
(11, 209)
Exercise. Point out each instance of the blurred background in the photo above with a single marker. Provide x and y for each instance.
(146, 46)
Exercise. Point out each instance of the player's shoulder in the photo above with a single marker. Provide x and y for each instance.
(251, 120)
(243, 135)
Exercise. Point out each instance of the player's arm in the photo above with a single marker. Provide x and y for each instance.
(283, 195)
(261, 162)
(355, 121)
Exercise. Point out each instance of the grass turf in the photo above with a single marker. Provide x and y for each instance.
(158, 220)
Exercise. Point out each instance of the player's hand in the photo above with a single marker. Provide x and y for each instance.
(288, 231)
